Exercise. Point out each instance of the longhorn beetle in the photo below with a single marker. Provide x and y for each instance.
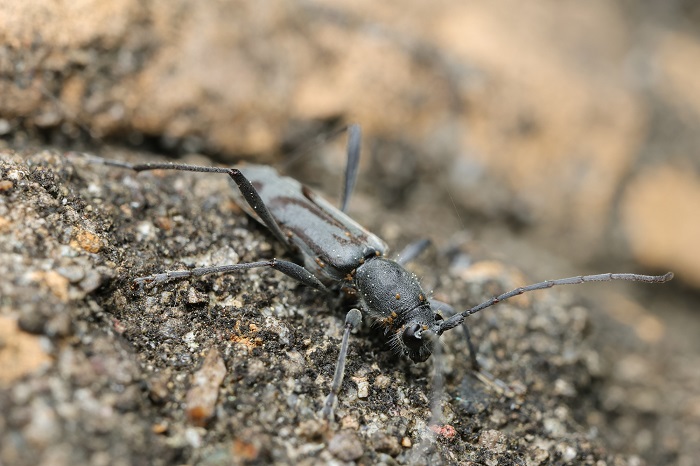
(336, 252)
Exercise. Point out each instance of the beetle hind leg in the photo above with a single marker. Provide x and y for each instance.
(290, 269)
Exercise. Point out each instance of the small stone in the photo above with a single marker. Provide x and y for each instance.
(345, 446)
(245, 450)
(5, 126)
(159, 428)
(554, 427)
(201, 398)
(87, 241)
(499, 418)
(537, 457)
(158, 388)
(92, 280)
(73, 273)
(310, 429)
(193, 437)
(568, 453)
(564, 388)
(55, 282)
(382, 381)
(44, 426)
(20, 353)
(446, 431)
(386, 443)
(59, 325)
(195, 297)
(349, 422)
(362, 387)
(494, 440)
(164, 223)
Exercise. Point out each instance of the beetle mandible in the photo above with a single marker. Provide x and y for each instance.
(336, 252)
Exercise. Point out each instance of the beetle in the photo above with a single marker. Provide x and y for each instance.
(336, 252)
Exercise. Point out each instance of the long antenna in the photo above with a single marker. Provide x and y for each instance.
(457, 319)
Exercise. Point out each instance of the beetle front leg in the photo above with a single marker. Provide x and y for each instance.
(479, 372)
(352, 320)
(447, 309)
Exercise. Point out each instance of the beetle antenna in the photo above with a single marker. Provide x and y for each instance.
(457, 319)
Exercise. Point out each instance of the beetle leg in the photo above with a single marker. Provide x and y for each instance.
(256, 203)
(352, 320)
(450, 311)
(352, 164)
(479, 372)
(290, 269)
(250, 194)
(413, 250)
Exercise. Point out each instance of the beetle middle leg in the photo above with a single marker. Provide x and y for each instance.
(412, 251)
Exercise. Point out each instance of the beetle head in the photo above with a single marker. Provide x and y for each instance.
(414, 343)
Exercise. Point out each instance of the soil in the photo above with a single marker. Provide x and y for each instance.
(234, 369)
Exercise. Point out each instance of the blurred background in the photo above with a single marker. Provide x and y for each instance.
(559, 137)
(575, 124)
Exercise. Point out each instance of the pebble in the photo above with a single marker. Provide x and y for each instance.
(201, 398)
(345, 446)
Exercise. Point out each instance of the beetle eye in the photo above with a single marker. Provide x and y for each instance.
(412, 336)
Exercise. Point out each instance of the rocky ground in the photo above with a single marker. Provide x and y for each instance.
(528, 142)
(233, 369)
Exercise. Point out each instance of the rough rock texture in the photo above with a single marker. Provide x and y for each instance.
(112, 373)
(560, 138)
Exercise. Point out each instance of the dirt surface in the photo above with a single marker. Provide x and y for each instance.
(528, 141)
(233, 369)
